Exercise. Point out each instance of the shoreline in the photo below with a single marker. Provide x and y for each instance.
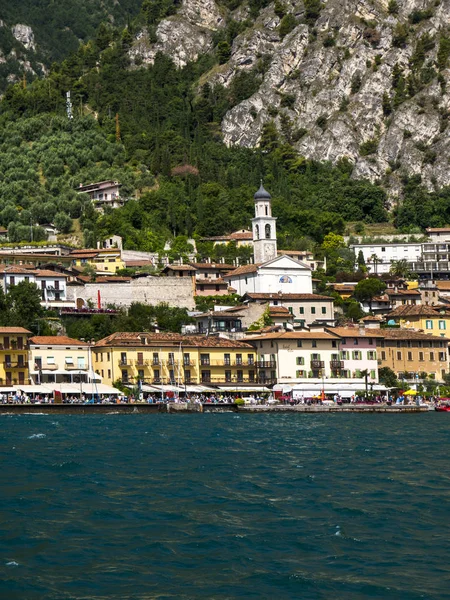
(182, 407)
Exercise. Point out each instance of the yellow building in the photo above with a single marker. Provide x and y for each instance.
(104, 260)
(162, 358)
(59, 359)
(430, 319)
(14, 356)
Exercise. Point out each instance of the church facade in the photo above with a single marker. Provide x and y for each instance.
(269, 273)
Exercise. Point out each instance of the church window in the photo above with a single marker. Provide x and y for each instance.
(267, 210)
(267, 232)
(257, 232)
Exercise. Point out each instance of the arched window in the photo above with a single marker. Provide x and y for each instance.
(257, 232)
(267, 232)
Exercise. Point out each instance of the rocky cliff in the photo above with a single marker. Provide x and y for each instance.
(366, 80)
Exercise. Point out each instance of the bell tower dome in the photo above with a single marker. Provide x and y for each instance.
(264, 228)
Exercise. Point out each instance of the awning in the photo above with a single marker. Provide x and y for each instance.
(234, 388)
(34, 389)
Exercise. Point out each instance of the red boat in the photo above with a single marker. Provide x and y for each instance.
(443, 408)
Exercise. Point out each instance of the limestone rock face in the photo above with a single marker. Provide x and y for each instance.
(183, 37)
(341, 80)
(24, 34)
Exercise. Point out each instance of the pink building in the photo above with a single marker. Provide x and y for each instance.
(358, 351)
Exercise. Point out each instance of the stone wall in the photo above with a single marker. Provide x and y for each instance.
(147, 290)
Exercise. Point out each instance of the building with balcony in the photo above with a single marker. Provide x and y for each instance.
(103, 260)
(14, 356)
(379, 257)
(60, 359)
(429, 319)
(52, 284)
(103, 193)
(209, 278)
(413, 354)
(170, 358)
(304, 308)
(358, 352)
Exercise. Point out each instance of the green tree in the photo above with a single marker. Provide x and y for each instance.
(367, 289)
(223, 52)
(287, 24)
(24, 304)
(400, 268)
(387, 377)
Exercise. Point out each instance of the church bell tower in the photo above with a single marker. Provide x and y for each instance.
(264, 228)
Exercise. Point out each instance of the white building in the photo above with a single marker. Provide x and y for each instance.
(379, 257)
(52, 284)
(270, 274)
(438, 235)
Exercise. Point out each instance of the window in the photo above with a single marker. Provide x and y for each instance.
(314, 344)
(300, 374)
(355, 342)
(315, 356)
(299, 343)
(155, 360)
(300, 360)
(140, 373)
(313, 310)
(371, 355)
(109, 373)
(356, 355)
(442, 356)
(50, 360)
(291, 310)
(334, 343)
(204, 359)
(227, 376)
(186, 359)
(267, 232)
(383, 355)
(372, 374)
(227, 359)
(399, 356)
(441, 324)
(239, 359)
(429, 324)
(302, 310)
(257, 232)
(410, 357)
(431, 355)
(171, 358)
(421, 356)
(250, 359)
(123, 358)
(324, 310)
(69, 361)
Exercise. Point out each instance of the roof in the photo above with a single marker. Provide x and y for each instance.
(356, 332)
(29, 270)
(48, 273)
(415, 310)
(179, 268)
(262, 194)
(244, 270)
(370, 318)
(156, 340)
(391, 292)
(227, 313)
(296, 252)
(443, 285)
(213, 266)
(298, 335)
(241, 235)
(287, 297)
(13, 330)
(56, 340)
(410, 334)
(279, 311)
(437, 229)
(217, 281)
(104, 279)
(138, 263)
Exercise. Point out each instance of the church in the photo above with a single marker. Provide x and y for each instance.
(270, 273)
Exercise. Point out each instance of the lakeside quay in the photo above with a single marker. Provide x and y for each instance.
(183, 407)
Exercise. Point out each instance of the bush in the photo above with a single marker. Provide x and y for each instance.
(356, 83)
(322, 122)
(287, 24)
(369, 147)
(239, 401)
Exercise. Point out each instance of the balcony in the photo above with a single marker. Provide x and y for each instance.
(336, 365)
(317, 364)
(266, 364)
(124, 362)
(13, 364)
(141, 363)
(189, 363)
(205, 363)
(72, 367)
(156, 362)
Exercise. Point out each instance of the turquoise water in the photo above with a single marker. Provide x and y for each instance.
(225, 506)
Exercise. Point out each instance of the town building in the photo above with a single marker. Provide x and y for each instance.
(434, 262)
(103, 260)
(379, 257)
(52, 284)
(438, 235)
(178, 271)
(170, 358)
(358, 351)
(413, 355)
(304, 308)
(209, 279)
(432, 320)
(60, 359)
(242, 237)
(14, 356)
(103, 194)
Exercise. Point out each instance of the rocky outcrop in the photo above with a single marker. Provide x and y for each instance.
(337, 88)
(24, 34)
(183, 37)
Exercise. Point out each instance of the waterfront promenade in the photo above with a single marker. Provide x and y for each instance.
(191, 407)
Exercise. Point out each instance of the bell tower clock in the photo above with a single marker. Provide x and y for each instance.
(264, 228)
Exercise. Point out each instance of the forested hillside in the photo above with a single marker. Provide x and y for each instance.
(166, 146)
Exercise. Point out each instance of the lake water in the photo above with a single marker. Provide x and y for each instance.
(225, 506)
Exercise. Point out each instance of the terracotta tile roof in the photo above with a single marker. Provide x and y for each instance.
(138, 263)
(105, 279)
(356, 332)
(56, 340)
(245, 269)
(179, 268)
(48, 273)
(156, 340)
(443, 285)
(13, 330)
(409, 334)
(299, 335)
(213, 266)
(391, 292)
(372, 318)
(415, 310)
(288, 297)
(241, 235)
(83, 253)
